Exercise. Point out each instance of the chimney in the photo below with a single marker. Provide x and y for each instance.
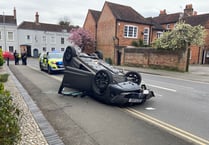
(15, 16)
(37, 18)
(188, 11)
(163, 12)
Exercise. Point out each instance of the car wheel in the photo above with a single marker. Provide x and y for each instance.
(70, 52)
(133, 77)
(100, 84)
(99, 54)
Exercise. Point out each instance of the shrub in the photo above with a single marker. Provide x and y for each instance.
(108, 60)
(4, 77)
(134, 43)
(1, 58)
(9, 119)
(138, 43)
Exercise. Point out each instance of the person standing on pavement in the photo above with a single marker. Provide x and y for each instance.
(24, 57)
(16, 57)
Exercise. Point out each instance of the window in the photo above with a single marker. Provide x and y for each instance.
(168, 26)
(146, 36)
(44, 40)
(159, 34)
(1, 47)
(52, 49)
(62, 40)
(36, 39)
(28, 38)
(130, 31)
(11, 49)
(62, 49)
(0, 36)
(44, 49)
(53, 40)
(207, 54)
(10, 36)
(190, 54)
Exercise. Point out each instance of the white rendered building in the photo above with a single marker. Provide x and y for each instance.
(36, 37)
(8, 32)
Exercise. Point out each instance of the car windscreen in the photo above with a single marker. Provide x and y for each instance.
(55, 55)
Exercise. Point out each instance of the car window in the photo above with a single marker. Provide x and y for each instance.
(55, 55)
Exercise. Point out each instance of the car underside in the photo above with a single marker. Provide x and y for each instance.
(93, 76)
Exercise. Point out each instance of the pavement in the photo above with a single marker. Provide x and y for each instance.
(196, 73)
(34, 127)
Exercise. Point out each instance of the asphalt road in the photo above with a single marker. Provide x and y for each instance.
(180, 103)
(84, 121)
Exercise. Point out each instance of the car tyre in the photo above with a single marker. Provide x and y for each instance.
(101, 81)
(70, 52)
(133, 77)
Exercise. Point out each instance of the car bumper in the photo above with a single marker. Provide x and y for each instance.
(57, 67)
(129, 93)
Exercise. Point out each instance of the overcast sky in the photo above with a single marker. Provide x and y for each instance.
(52, 11)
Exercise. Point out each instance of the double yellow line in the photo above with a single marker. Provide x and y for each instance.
(176, 131)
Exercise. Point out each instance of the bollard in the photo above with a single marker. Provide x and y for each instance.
(7, 61)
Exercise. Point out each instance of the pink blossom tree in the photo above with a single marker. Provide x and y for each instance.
(83, 39)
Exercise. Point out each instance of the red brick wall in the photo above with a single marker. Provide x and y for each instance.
(148, 57)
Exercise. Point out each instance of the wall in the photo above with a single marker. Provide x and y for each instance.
(148, 57)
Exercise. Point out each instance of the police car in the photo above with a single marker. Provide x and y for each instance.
(51, 62)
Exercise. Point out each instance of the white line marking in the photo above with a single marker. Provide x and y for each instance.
(159, 87)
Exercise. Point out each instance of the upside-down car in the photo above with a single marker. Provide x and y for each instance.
(95, 77)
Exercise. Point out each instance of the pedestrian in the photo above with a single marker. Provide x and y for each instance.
(24, 58)
(16, 57)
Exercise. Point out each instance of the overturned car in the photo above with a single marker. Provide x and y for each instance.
(93, 76)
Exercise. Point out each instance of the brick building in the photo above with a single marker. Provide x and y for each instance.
(117, 26)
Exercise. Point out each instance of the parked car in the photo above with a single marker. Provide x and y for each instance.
(51, 62)
(93, 76)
